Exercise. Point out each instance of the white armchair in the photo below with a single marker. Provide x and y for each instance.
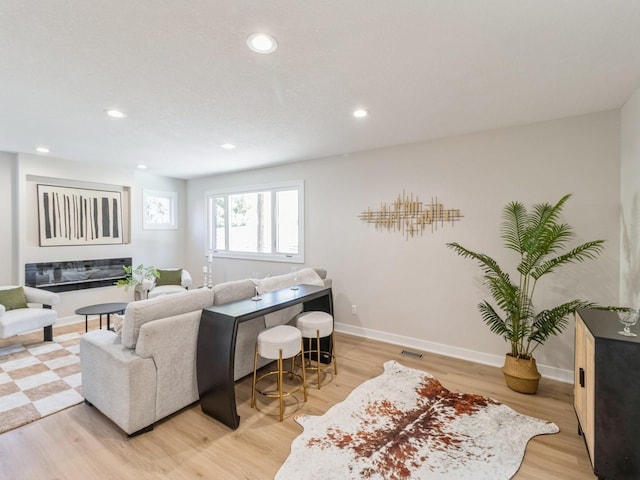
(174, 280)
(20, 311)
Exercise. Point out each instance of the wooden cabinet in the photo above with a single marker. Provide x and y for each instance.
(607, 394)
(584, 382)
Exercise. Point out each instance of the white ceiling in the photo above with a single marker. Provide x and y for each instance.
(183, 74)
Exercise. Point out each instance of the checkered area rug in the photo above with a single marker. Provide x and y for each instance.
(38, 380)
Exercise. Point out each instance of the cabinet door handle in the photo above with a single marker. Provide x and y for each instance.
(582, 377)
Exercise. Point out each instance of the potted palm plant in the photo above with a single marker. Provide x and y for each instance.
(540, 241)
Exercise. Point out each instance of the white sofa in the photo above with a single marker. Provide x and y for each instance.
(38, 314)
(148, 370)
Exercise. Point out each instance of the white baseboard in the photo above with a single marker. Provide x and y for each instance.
(546, 371)
(69, 320)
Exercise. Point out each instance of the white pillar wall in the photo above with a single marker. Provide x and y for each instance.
(630, 198)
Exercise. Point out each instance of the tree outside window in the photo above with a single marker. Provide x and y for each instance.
(265, 222)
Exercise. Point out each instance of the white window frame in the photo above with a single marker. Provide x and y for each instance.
(171, 217)
(272, 188)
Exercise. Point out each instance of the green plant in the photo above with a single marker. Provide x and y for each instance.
(135, 276)
(540, 240)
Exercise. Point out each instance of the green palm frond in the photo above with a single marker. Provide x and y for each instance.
(504, 293)
(548, 242)
(543, 216)
(514, 226)
(586, 251)
(488, 265)
(538, 225)
(554, 321)
(493, 320)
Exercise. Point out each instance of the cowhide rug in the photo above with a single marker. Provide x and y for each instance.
(405, 424)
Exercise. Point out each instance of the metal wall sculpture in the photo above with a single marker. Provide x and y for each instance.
(410, 216)
(78, 216)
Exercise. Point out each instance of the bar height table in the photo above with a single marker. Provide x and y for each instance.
(217, 343)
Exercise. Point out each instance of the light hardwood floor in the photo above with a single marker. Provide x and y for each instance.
(81, 443)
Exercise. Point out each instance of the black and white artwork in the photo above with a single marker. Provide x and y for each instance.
(78, 216)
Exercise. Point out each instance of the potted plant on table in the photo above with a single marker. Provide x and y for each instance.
(540, 240)
(138, 277)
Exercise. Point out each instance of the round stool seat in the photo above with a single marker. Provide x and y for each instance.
(282, 337)
(278, 343)
(313, 323)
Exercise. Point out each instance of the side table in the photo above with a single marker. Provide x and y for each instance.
(101, 309)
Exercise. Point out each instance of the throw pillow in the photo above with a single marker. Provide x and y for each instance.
(13, 298)
(169, 277)
(117, 321)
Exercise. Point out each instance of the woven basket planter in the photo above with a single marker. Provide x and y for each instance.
(521, 375)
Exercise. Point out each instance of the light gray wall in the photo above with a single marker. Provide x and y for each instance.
(162, 248)
(417, 292)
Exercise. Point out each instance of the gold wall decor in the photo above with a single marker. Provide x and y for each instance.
(410, 216)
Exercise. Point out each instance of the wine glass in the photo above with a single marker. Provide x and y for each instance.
(628, 319)
(294, 274)
(256, 276)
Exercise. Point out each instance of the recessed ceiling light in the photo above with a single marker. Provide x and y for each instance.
(115, 113)
(142, 167)
(262, 43)
(360, 113)
(228, 146)
(42, 150)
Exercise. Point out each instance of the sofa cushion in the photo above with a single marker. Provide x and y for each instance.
(20, 320)
(13, 298)
(143, 311)
(227, 292)
(117, 321)
(165, 290)
(305, 276)
(169, 277)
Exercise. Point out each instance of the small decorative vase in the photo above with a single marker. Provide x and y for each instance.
(521, 374)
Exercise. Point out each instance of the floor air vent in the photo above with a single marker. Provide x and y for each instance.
(409, 353)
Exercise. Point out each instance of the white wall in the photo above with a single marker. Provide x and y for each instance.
(417, 292)
(161, 248)
(630, 195)
(7, 193)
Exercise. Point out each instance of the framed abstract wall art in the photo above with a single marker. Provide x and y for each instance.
(78, 216)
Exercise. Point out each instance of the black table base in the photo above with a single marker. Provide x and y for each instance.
(217, 343)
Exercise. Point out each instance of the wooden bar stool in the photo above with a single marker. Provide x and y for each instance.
(279, 343)
(314, 326)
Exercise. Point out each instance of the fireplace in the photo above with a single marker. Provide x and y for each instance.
(75, 275)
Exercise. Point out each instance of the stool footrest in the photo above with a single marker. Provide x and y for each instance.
(275, 394)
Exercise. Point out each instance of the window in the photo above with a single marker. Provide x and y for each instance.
(263, 222)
